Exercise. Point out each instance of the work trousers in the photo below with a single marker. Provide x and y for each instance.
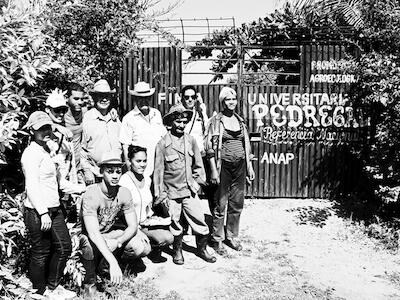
(49, 249)
(193, 213)
(229, 200)
(159, 236)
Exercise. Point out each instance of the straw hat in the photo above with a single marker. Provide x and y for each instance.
(102, 87)
(110, 158)
(142, 89)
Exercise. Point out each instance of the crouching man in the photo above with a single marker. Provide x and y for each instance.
(178, 171)
(105, 206)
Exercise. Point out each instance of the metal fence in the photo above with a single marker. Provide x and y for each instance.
(284, 168)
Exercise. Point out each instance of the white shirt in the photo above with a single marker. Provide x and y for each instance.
(40, 179)
(142, 197)
(144, 131)
(195, 127)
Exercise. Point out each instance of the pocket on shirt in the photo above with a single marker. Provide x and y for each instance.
(173, 162)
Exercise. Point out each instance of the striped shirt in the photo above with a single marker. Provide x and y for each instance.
(233, 145)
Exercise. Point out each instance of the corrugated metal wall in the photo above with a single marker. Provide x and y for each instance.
(162, 68)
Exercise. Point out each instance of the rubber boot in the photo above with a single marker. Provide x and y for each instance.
(177, 257)
(201, 241)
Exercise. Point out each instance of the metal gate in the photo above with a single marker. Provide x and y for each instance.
(284, 166)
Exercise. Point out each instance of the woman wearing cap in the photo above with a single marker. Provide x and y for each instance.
(44, 219)
(139, 185)
(228, 151)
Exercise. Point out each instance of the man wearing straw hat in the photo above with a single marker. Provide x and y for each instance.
(142, 126)
(100, 131)
(178, 171)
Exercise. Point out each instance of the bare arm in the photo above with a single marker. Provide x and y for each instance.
(130, 231)
(92, 227)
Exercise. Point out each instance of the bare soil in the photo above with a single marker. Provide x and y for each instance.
(293, 249)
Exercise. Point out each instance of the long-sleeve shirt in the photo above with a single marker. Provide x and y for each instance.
(41, 182)
(178, 168)
(99, 134)
(144, 131)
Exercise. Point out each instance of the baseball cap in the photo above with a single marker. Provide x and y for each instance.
(38, 119)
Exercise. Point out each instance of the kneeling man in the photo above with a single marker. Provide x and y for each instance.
(106, 206)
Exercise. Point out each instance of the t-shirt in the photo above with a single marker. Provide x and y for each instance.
(107, 210)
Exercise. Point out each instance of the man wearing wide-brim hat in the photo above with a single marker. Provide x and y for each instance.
(100, 131)
(142, 126)
(103, 204)
(178, 173)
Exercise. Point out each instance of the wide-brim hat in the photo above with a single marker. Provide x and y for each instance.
(110, 158)
(142, 89)
(175, 111)
(102, 87)
(37, 119)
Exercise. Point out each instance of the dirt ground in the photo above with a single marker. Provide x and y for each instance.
(293, 249)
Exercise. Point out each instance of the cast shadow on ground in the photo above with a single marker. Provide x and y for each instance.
(346, 183)
(311, 215)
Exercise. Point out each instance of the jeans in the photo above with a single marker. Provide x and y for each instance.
(230, 193)
(50, 249)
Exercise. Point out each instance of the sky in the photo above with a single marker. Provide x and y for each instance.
(241, 10)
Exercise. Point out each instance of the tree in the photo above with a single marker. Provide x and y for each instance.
(24, 61)
(92, 38)
(297, 23)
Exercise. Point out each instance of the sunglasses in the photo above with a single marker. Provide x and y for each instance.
(59, 110)
(191, 96)
(111, 170)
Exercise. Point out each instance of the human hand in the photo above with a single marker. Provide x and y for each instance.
(214, 179)
(251, 174)
(45, 222)
(199, 98)
(165, 202)
(115, 273)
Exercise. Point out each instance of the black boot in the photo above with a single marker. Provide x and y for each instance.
(177, 257)
(155, 255)
(201, 241)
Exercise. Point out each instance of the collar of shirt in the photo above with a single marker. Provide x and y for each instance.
(136, 111)
(169, 141)
(98, 115)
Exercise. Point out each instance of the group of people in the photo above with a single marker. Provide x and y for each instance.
(134, 184)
